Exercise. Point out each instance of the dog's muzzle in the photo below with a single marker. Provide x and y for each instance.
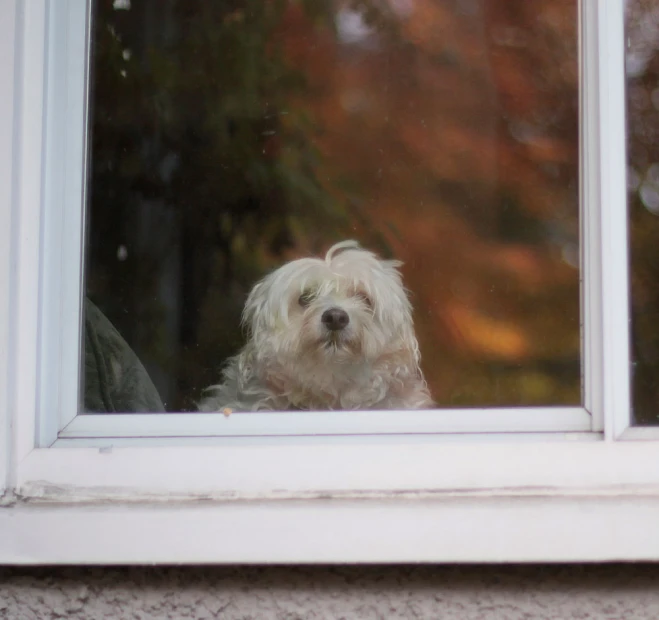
(335, 319)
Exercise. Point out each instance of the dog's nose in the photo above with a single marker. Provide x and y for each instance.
(335, 319)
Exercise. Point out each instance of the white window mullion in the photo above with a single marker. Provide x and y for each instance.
(63, 215)
(604, 217)
(614, 302)
(589, 215)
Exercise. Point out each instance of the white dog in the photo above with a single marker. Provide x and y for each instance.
(326, 334)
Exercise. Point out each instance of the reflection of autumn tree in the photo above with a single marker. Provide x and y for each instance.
(234, 135)
(643, 173)
(466, 161)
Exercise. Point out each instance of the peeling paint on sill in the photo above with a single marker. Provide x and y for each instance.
(45, 493)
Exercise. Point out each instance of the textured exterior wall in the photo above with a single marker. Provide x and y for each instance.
(575, 592)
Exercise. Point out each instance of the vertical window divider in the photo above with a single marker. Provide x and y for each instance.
(65, 146)
(614, 301)
(604, 303)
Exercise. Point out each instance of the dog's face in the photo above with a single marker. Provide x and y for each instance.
(349, 308)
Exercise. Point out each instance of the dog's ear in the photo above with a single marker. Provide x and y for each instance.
(410, 347)
(255, 306)
(393, 265)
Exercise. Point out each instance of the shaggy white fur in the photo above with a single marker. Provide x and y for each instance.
(326, 334)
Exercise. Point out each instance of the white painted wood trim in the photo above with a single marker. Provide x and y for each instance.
(604, 301)
(63, 215)
(491, 528)
(589, 215)
(614, 301)
(106, 443)
(332, 502)
(294, 469)
(640, 433)
(27, 229)
(9, 56)
(529, 420)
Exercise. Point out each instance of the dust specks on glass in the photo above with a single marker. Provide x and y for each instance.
(642, 74)
(228, 139)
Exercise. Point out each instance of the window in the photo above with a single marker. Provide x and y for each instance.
(512, 483)
(179, 226)
(305, 125)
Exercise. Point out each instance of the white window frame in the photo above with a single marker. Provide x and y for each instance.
(528, 484)
(64, 77)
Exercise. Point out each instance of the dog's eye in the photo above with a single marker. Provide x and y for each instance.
(306, 298)
(364, 298)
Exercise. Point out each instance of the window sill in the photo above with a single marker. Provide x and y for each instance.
(419, 528)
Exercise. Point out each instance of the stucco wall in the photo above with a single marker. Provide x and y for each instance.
(468, 593)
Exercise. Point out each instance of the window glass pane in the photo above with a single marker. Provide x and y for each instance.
(230, 137)
(642, 68)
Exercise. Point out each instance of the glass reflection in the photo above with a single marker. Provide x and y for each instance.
(642, 68)
(230, 137)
